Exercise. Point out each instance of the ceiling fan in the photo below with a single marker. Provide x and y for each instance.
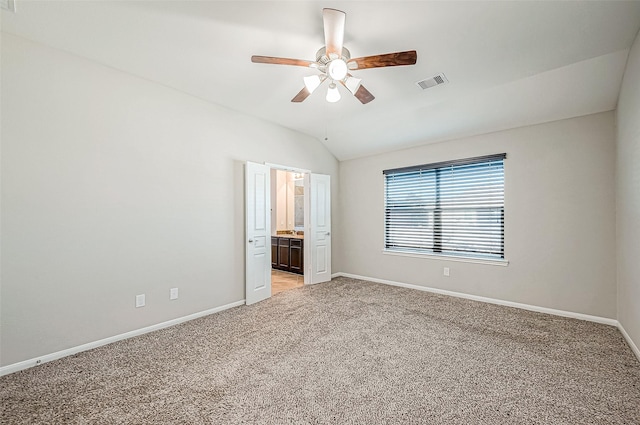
(335, 63)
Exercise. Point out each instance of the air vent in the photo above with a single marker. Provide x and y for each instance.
(9, 5)
(433, 81)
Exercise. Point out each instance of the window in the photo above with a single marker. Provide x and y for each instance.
(447, 208)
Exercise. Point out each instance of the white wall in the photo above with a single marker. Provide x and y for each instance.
(559, 218)
(114, 186)
(274, 201)
(281, 200)
(628, 196)
(284, 198)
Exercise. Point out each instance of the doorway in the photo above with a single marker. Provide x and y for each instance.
(287, 230)
(304, 246)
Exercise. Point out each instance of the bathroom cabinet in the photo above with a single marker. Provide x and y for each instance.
(287, 254)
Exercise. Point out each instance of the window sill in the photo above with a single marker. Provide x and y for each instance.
(487, 261)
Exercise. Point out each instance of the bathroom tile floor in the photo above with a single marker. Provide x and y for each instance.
(281, 281)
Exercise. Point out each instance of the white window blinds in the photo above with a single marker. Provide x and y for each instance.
(452, 208)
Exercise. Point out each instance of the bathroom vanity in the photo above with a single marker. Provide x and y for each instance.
(287, 253)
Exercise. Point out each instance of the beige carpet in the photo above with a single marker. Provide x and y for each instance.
(345, 352)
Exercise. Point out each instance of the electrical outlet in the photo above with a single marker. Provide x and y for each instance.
(140, 300)
(446, 271)
(173, 294)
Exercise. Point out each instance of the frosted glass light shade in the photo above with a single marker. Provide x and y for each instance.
(337, 69)
(333, 95)
(312, 82)
(352, 84)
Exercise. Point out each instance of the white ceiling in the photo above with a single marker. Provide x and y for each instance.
(509, 63)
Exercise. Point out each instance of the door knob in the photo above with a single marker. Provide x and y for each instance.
(250, 240)
(328, 233)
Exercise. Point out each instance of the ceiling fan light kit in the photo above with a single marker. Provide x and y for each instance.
(352, 84)
(312, 82)
(333, 95)
(334, 61)
(337, 69)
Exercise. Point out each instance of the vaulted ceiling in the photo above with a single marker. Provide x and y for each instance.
(509, 63)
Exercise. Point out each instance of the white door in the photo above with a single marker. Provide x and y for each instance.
(317, 235)
(258, 242)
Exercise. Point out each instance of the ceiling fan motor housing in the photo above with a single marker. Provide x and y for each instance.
(322, 58)
(335, 66)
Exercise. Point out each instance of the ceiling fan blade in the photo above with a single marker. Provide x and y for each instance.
(283, 61)
(379, 61)
(302, 95)
(364, 95)
(333, 31)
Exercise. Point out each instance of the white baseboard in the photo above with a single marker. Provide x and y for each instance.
(632, 344)
(15, 367)
(563, 313)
